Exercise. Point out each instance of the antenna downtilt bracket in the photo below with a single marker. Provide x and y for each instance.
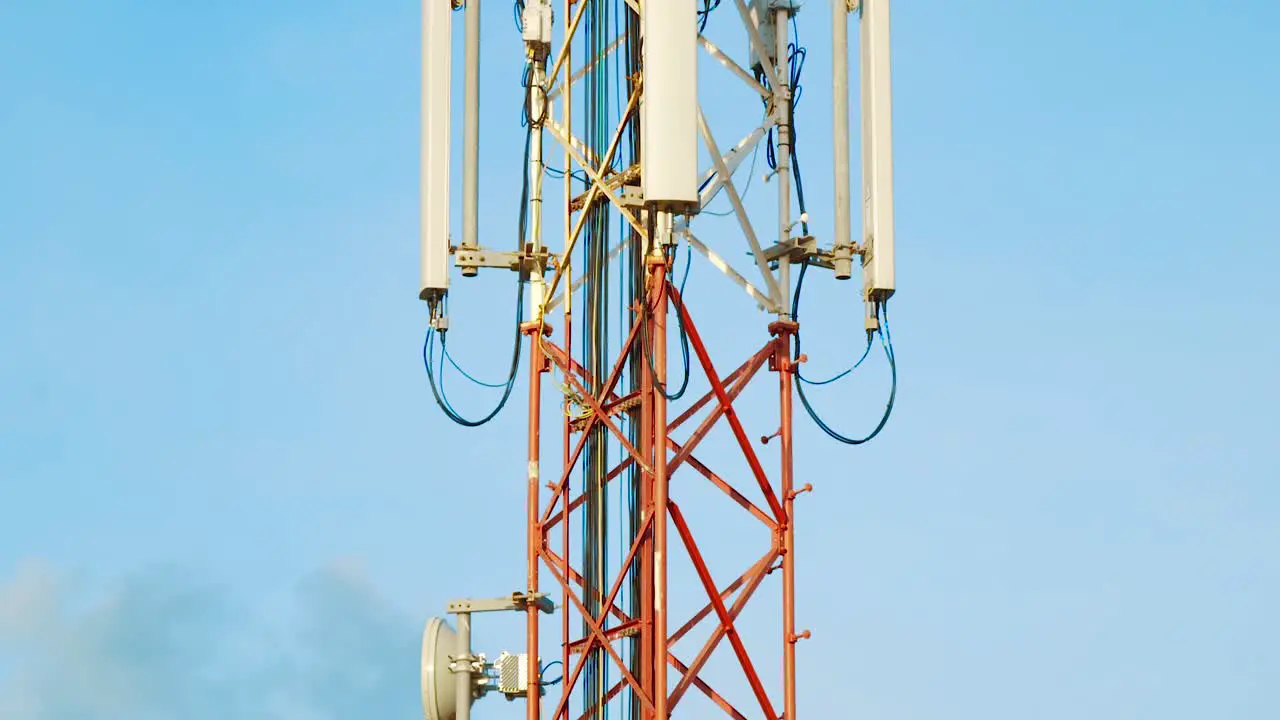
(515, 602)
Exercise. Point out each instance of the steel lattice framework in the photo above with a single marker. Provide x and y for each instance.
(658, 456)
(656, 692)
(622, 400)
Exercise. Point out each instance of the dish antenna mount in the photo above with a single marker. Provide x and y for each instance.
(453, 678)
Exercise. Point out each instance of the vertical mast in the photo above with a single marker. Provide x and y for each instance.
(609, 537)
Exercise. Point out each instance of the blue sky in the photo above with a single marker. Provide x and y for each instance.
(225, 490)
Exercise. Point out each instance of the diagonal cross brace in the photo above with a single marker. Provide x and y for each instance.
(598, 416)
(726, 621)
(730, 414)
(598, 638)
(738, 385)
(597, 408)
(737, 381)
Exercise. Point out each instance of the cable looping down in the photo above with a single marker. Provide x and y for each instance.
(428, 356)
(885, 340)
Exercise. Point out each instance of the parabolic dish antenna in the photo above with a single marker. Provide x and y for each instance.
(439, 686)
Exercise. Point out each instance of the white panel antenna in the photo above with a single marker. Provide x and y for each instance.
(669, 110)
(762, 17)
(437, 51)
(877, 152)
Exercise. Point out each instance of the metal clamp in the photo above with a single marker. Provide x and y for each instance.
(524, 262)
(796, 250)
(473, 664)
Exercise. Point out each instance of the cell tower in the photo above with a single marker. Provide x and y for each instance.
(627, 97)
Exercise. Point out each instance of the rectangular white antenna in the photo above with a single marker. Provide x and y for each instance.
(471, 131)
(437, 53)
(877, 152)
(669, 107)
(762, 17)
(843, 237)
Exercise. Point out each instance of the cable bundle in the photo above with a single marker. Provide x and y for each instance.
(435, 368)
(885, 340)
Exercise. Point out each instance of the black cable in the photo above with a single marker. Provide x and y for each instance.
(705, 13)
(797, 54)
(441, 397)
(684, 333)
(548, 666)
(678, 301)
(684, 352)
(711, 178)
(558, 174)
(746, 187)
(885, 340)
(444, 351)
(865, 352)
(526, 82)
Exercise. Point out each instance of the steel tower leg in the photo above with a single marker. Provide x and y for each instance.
(662, 485)
(645, 601)
(784, 332)
(537, 366)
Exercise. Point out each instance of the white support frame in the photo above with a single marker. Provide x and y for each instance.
(582, 71)
(775, 292)
(579, 147)
(763, 301)
(769, 293)
(734, 67)
(736, 155)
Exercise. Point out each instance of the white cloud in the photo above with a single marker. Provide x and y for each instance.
(163, 645)
(27, 600)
